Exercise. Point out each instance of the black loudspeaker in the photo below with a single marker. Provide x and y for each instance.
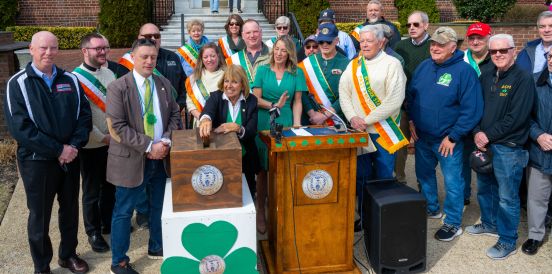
(394, 219)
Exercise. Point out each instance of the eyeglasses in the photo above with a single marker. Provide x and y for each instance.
(100, 49)
(415, 24)
(151, 36)
(502, 51)
(311, 47)
(282, 27)
(231, 24)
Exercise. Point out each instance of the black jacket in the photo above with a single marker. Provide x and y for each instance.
(43, 120)
(217, 109)
(168, 64)
(508, 98)
(541, 122)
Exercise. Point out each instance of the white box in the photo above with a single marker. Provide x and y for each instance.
(202, 237)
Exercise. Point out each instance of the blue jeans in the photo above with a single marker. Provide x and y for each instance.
(377, 165)
(427, 157)
(125, 201)
(498, 193)
(214, 4)
(469, 147)
(142, 204)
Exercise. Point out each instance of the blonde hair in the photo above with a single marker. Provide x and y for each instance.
(235, 72)
(195, 22)
(291, 62)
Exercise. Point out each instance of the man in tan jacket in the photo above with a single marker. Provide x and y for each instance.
(141, 114)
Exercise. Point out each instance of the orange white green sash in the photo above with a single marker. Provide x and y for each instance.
(189, 54)
(240, 59)
(93, 88)
(128, 63)
(356, 32)
(317, 83)
(224, 45)
(391, 137)
(197, 92)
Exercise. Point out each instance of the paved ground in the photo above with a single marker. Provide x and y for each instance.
(463, 255)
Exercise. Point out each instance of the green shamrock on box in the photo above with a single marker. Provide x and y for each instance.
(209, 245)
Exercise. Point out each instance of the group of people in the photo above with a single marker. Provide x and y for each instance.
(112, 122)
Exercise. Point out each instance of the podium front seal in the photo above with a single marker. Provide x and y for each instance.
(212, 264)
(207, 180)
(317, 184)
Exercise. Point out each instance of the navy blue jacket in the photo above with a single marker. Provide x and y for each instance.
(444, 99)
(541, 122)
(41, 119)
(526, 57)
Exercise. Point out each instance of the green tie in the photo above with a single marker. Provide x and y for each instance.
(149, 117)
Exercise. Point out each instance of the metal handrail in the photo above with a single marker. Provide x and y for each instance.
(272, 9)
(295, 29)
(182, 32)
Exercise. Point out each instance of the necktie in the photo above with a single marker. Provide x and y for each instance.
(149, 117)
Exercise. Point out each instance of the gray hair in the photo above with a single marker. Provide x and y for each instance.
(375, 2)
(377, 31)
(423, 15)
(502, 36)
(282, 21)
(544, 14)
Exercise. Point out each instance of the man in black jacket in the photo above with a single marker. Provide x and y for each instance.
(508, 94)
(50, 119)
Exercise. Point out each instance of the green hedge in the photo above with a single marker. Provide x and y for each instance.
(349, 27)
(306, 12)
(8, 10)
(120, 20)
(405, 7)
(68, 37)
(483, 10)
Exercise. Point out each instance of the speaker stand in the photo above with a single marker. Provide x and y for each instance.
(271, 268)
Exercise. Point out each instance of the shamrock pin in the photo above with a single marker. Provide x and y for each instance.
(209, 245)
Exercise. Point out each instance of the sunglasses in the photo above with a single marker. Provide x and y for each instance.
(415, 24)
(502, 51)
(324, 42)
(232, 24)
(282, 27)
(151, 36)
(311, 47)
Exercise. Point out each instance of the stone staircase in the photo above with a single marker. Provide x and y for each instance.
(214, 23)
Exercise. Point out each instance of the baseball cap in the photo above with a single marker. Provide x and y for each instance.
(481, 161)
(326, 15)
(444, 35)
(479, 28)
(311, 37)
(327, 33)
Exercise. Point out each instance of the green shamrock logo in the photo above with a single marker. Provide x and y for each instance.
(209, 245)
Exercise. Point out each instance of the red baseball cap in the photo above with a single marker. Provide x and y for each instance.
(479, 28)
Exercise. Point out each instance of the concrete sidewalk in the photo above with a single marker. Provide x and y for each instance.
(465, 254)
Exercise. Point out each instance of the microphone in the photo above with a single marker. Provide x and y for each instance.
(340, 125)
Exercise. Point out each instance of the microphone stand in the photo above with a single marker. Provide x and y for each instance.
(318, 107)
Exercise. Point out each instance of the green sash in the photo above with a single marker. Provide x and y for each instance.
(238, 121)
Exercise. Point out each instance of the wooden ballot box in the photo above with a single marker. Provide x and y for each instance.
(312, 201)
(205, 178)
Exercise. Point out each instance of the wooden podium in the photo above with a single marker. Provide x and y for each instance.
(311, 201)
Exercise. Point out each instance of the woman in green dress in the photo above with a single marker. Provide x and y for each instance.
(279, 85)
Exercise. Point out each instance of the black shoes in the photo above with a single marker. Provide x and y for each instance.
(126, 268)
(98, 243)
(530, 247)
(240, 11)
(74, 264)
(158, 255)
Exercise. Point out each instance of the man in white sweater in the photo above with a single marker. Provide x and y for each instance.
(371, 91)
(98, 196)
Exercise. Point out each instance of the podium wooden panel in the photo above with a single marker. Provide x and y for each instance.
(311, 235)
(187, 154)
